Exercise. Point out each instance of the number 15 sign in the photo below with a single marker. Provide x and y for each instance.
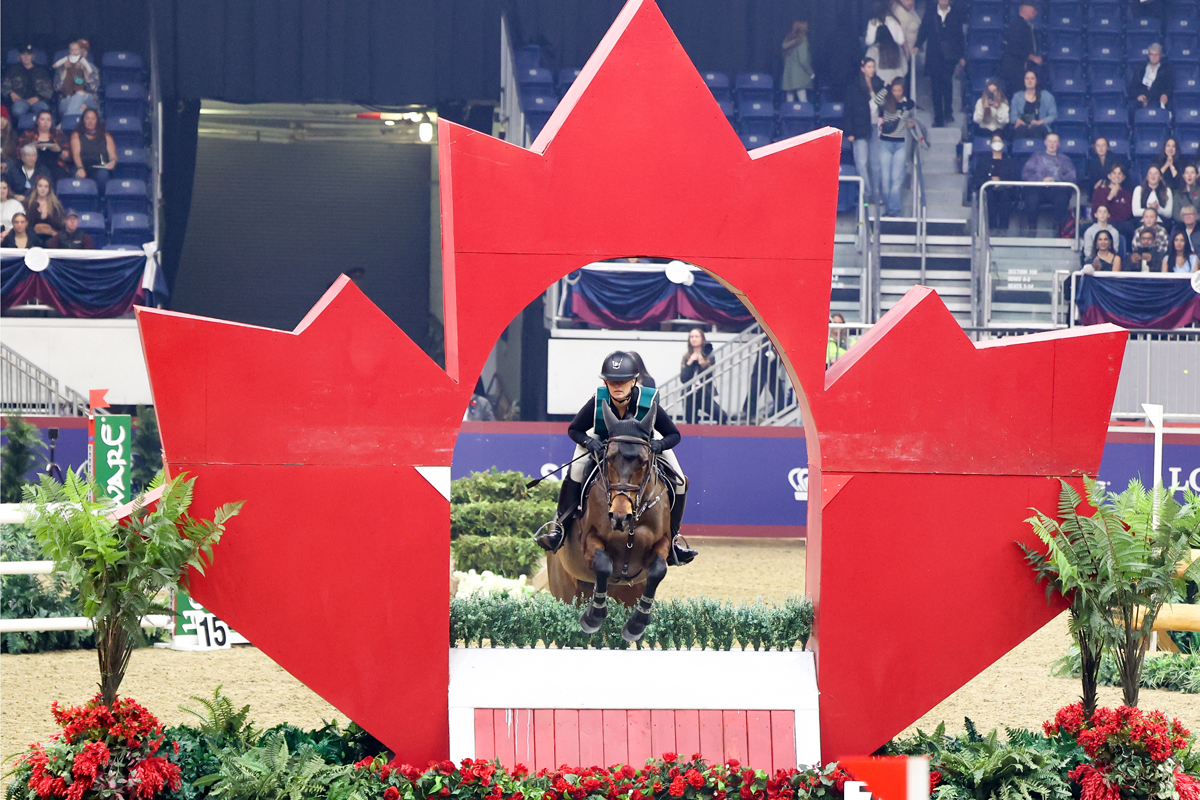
(197, 628)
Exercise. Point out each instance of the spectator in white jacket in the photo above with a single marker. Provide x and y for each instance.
(885, 43)
(1154, 193)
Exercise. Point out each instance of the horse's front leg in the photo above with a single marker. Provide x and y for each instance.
(597, 609)
(655, 572)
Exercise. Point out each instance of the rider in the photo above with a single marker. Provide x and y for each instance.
(627, 400)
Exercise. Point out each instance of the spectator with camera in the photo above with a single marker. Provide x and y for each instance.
(1033, 110)
(991, 110)
(1159, 240)
(27, 85)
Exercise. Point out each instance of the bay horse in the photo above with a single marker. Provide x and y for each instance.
(623, 536)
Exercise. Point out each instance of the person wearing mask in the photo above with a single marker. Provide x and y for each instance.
(70, 237)
(1151, 223)
(1189, 187)
(1105, 258)
(92, 149)
(44, 210)
(1168, 164)
(1154, 83)
(945, 51)
(20, 235)
(1187, 226)
(860, 124)
(1145, 255)
(1033, 110)
(997, 166)
(897, 116)
(1180, 257)
(885, 43)
(1154, 193)
(9, 205)
(53, 146)
(991, 110)
(1020, 49)
(76, 79)
(797, 64)
(1049, 166)
(1101, 225)
(1112, 193)
(23, 175)
(26, 85)
(1100, 163)
(905, 12)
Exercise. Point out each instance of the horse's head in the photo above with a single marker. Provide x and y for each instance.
(627, 464)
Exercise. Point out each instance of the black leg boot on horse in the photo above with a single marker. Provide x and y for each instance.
(597, 609)
(556, 529)
(680, 553)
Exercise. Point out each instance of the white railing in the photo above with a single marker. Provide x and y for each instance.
(511, 115)
(27, 389)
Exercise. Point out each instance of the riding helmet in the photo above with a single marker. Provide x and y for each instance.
(618, 367)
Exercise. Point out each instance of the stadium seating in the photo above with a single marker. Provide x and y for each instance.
(126, 131)
(127, 196)
(1076, 149)
(1109, 119)
(729, 110)
(70, 123)
(1143, 153)
(796, 118)
(718, 84)
(755, 117)
(985, 18)
(754, 86)
(93, 224)
(1022, 149)
(80, 194)
(26, 122)
(132, 229)
(565, 78)
(132, 163)
(1151, 123)
(538, 109)
(1189, 145)
(1072, 120)
(753, 140)
(121, 67)
(830, 114)
(125, 99)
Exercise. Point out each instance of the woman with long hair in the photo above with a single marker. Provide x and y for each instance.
(1106, 258)
(1180, 257)
(696, 359)
(53, 146)
(1033, 109)
(896, 118)
(20, 235)
(885, 40)
(797, 63)
(1153, 193)
(1168, 164)
(1189, 187)
(8, 141)
(991, 110)
(9, 206)
(76, 79)
(860, 123)
(44, 210)
(93, 149)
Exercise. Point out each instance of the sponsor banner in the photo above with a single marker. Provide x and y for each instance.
(112, 450)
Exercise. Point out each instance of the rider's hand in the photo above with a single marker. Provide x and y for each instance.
(595, 446)
(656, 446)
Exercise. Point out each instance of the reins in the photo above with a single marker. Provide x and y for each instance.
(635, 493)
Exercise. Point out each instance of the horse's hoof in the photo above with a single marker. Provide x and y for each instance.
(592, 624)
(635, 627)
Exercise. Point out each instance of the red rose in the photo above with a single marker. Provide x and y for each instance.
(391, 793)
(677, 787)
(670, 757)
(719, 794)
(694, 778)
(696, 756)
(733, 763)
(746, 792)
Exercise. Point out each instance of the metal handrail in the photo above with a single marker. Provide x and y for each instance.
(27, 389)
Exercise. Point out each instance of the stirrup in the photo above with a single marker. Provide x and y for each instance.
(553, 538)
(680, 553)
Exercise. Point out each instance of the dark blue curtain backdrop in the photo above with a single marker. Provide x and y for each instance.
(105, 287)
(1137, 302)
(631, 300)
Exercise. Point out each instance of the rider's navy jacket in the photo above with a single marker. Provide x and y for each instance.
(586, 419)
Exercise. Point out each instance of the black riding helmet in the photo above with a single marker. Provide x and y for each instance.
(619, 367)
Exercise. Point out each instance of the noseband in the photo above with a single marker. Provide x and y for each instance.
(635, 493)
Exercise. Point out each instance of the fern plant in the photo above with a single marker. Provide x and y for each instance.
(221, 722)
(272, 771)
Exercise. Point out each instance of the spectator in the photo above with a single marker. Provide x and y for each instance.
(26, 85)
(1187, 226)
(1101, 225)
(1112, 193)
(1100, 163)
(1153, 193)
(942, 32)
(8, 142)
(76, 79)
(70, 237)
(480, 408)
(9, 205)
(1150, 223)
(1048, 167)
(53, 146)
(1180, 257)
(1020, 48)
(991, 110)
(1033, 110)
(93, 150)
(1105, 258)
(696, 359)
(20, 235)
(905, 13)
(860, 123)
(1145, 252)
(797, 63)
(885, 43)
(44, 210)
(836, 346)
(1154, 83)
(997, 166)
(1189, 187)
(1168, 163)
(22, 176)
(893, 145)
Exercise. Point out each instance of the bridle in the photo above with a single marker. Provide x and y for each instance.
(635, 493)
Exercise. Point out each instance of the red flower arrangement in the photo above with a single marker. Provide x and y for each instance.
(101, 751)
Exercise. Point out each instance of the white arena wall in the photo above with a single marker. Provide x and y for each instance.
(84, 354)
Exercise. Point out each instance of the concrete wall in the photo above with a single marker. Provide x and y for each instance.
(85, 354)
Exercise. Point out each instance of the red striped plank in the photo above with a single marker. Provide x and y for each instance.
(687, 733)
(505, 745)
(640, 737)
(485, 735)
(523, 736)
(566, 737)
(543, 739)
(712, 735)
(662, 732)
(783, 739)
(616, 737)
(758, 741)
(591, 737)
(735, 738)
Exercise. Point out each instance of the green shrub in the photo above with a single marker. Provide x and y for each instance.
(504, 621)
(1177, 672)
(23, 451)
(507, 556)
(28, 596)
(500, 518)
(493, 486)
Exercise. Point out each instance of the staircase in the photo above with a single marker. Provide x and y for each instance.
(29, 390)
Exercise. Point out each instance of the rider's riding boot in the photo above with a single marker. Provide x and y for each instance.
(556, 529)
(680, 553)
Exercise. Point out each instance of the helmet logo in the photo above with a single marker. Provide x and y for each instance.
(616, 363)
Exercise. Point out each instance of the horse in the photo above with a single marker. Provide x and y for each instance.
(625, 528)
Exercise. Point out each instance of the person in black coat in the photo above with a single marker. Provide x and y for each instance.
(1154, 83)
(942, 31)
(1020, 50)
(1100, 163)
(863, 98)
(996, 165)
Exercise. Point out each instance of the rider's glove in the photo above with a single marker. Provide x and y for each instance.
(595, 446)
(656, 446)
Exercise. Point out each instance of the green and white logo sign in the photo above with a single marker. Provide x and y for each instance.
(114, 434)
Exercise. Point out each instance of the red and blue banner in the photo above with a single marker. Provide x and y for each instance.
(1160, 302)
(78, 287)
(633, 300)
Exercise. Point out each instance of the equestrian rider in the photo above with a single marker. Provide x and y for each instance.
(627, 400)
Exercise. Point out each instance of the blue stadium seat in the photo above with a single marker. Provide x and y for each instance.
(994, 6)
(1071, 90)
(1187, 86)
(1072, 121)
(26, 122)
(1064, 18)
(1067, 69)
(729, 110)
(528, 56)
(983, 52)
(1189, 146)
(132, 229)
(1144, 25)
(830, 114)
(994, 39)
(756, 117)
(125, 100)
(80, 194)
(1143, 153)
(1065, 45)
(1151, 123)
(565, 78)
(754, 86)
(985, 18)
(1105, 49)
(1076, 149)
(120, 66)
(92, 223)
(126, 197)
(1187, 119)
(537, 109)
(753, 140)
(1064, 7)
(69, 123)
(1105, 18)
(1181, 20)
(126, 131)
(1022, 149)
(536, 80)
(125, 91)
(796, 118)
(1182, 47)
(718, 84)
(1121, 147)
(1107, 85)
(1109, 119)
(1136, 45)
(39, 57)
